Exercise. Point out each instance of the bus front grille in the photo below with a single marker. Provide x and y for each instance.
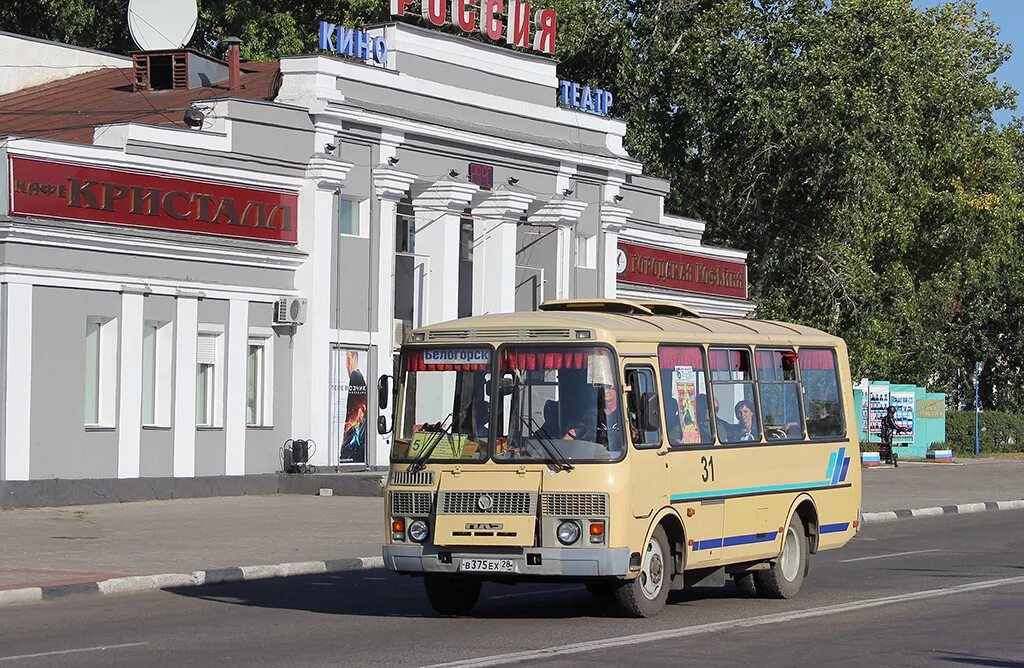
(412, 479)
(575, 504)
(405, 504)
(487, 503)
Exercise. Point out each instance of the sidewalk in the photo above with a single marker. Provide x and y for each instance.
(50, 552)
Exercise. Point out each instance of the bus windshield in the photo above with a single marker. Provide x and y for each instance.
(445, 412)
(558, 405)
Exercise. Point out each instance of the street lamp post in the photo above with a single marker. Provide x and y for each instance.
(977, 407)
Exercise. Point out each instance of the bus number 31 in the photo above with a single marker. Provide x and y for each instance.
(709, 468)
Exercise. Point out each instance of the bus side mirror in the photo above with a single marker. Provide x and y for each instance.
(382, 425)
(383, 392)
(650, 412)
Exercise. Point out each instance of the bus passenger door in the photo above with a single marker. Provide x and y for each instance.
(649, 473)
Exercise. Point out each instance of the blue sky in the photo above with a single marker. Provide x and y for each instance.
(1009, 16)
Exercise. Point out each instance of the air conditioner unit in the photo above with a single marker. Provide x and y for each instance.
(290, 311)
(399, 333)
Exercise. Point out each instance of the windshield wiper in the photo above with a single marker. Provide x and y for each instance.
(420, 462)
(554, 454)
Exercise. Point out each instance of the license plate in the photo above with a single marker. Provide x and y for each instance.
(488, 565)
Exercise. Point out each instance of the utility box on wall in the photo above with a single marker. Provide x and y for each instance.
(923, 412)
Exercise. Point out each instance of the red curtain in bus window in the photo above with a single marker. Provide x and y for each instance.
(539, 360)
(729, 360)
(819, 360)
(670, 357)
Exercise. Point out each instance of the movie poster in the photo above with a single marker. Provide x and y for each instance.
(349, 409)
(684, 387)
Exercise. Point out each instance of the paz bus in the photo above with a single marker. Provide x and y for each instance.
(633, 447)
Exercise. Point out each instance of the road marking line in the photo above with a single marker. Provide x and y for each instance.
(748, 622)
(532, 593)
(883, 556)
(72, 651)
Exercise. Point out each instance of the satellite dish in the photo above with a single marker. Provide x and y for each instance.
(160, 25)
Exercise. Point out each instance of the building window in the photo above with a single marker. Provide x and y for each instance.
(156, 374)
(259, 407)
(405, 229)
(209, 377)
(100, 372)
(349, 217)
(586, 251)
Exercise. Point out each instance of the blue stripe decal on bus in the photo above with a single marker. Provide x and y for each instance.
(835, 474)
(831, 466)
(789, 487)
(834, 528)
(730, 541)
(846, 468)
(709, 544)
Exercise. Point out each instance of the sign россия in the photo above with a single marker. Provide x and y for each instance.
(662, 268)
(485, 17)
(66, 191)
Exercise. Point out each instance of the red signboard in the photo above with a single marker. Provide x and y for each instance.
(92, 194)
(661, 268)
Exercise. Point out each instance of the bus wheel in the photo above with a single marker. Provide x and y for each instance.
(746, 585)
(784, 577)
(451, 596)
(645, 595)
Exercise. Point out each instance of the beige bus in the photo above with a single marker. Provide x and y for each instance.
(633, 447)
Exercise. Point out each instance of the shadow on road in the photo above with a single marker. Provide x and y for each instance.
(970, 660)
(381, 593)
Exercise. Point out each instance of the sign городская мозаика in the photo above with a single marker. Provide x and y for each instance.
(661, 268)
(66, 191)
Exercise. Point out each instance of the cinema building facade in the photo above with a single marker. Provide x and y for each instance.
(180, 300)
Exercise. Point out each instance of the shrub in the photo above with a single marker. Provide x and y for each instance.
(1000, 432)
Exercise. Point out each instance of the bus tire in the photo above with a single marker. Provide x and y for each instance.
(784, 577)
(451, 596)
(746, 585)
(645, 595)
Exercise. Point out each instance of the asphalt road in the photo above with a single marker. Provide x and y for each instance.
(939, 591)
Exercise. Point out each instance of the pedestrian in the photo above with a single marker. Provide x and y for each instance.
(889, 429)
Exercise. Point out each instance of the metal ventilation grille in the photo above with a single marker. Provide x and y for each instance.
(575, 505)
(501, 503)
(405, 504)
(450, 335)
(547, 334)
(498, 334)
(412, 478)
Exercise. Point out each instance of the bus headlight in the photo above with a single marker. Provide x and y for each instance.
(419, 530)
(568, 532)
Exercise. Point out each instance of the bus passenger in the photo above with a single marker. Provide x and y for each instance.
(746, 430)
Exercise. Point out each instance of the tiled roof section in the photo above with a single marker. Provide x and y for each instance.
(69, 109)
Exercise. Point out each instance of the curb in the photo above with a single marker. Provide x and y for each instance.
(961, 509)
(142, 583)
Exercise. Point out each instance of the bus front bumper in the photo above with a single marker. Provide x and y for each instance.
(553, 561)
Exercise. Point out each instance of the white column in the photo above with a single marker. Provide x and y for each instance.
(438, 220)
(494, 255)
(18, 393)
(186, 333)
(234, 413)
(129, 413)
(563, 213)
(325, 176)
(390, 186)
(613, 221)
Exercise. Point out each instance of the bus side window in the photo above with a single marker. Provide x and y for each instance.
(685, 392)
(642, 390)
(823, 404)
